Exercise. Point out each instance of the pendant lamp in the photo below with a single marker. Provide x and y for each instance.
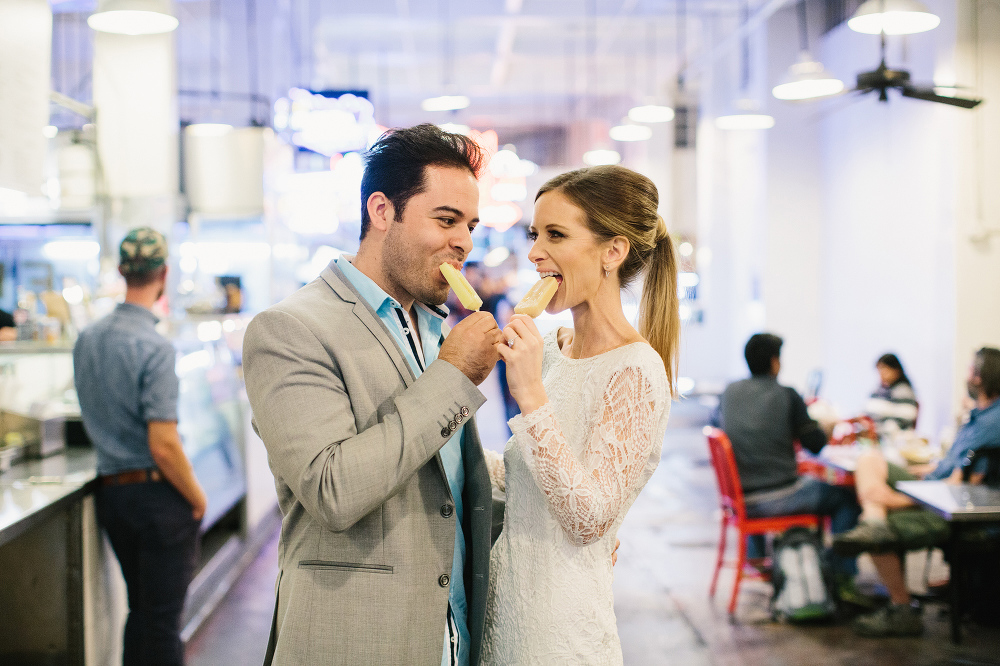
(806, 79)
(745, 113)
(133, 17)
(893, 17)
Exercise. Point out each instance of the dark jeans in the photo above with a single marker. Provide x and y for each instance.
(156, 541)
(815, 497)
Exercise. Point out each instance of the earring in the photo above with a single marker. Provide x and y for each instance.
(605, 271)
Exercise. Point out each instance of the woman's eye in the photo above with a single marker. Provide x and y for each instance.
(555, 234)
(532, 235)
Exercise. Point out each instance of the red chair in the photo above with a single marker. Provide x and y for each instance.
(734, 512)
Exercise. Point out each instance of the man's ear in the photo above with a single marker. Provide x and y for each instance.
(380, 211)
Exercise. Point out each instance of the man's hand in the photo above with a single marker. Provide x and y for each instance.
(199, 505)
(470, 346)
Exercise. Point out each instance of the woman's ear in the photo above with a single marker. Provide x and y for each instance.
(615, 252)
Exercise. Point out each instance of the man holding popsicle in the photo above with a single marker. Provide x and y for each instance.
(366, 406)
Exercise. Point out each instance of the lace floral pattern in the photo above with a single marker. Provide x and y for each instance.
(573, 469)
(494, 465)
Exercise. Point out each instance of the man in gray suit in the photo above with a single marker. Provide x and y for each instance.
(366, 405)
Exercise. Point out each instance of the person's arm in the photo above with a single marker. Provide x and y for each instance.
(805, 429)
(302, 411)
(586, 494)
(168, 454)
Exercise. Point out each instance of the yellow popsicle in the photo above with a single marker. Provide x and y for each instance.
(538, 297)
(470, 299)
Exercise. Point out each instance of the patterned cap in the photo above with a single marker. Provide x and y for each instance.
(144, 249)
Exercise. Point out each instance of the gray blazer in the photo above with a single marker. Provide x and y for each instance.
(368, 521)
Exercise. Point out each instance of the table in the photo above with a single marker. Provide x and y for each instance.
(961, 505)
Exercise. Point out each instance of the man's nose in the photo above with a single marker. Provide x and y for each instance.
(463, 240)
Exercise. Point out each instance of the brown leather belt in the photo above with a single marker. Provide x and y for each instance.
(131, 476)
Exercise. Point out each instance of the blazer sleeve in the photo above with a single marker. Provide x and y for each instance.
(302, 411)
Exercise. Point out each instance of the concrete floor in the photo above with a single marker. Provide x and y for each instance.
(661, 591)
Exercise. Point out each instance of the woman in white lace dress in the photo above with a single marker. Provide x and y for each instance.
(594, 404)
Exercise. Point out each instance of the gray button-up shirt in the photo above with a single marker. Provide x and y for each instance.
(125, 378)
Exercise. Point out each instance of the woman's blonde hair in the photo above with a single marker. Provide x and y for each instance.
(620, 202)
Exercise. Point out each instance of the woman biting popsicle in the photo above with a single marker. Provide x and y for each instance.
(594, 403)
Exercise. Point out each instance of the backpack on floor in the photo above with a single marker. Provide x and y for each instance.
(802, 582)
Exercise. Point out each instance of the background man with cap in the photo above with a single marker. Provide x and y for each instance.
(148, 498)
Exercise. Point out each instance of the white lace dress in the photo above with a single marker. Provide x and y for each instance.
(571, 471)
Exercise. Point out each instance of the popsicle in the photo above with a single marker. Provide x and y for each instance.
(538, 297)
(470, 299)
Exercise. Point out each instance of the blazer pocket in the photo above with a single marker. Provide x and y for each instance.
(345, 566)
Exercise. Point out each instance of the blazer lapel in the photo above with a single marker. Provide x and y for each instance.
(345, 290)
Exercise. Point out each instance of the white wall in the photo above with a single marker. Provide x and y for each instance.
(855, 217)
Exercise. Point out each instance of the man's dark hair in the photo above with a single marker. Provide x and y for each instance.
(760, 349)
(986, 366)
(396, 164)
(143, 278)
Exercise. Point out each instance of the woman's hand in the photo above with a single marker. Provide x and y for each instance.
(523, 356)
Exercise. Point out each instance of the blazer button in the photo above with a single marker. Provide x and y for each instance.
(443, 580)
(447, 510)
(459, 418)
(464, 411)
(452, 426)
(445, 432)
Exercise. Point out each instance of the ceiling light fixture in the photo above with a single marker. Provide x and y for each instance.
(744, 118)
(133, 17)
(745, 114)
(806, 79)
(629, 132)
(445, 103)
(651, 113)
(893, 17)
(601, 157)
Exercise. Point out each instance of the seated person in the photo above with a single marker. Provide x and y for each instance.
(763, 420)
(893, 405)
(875, 480)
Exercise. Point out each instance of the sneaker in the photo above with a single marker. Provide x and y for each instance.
(893, 620)
(848, 592)
(867, 537)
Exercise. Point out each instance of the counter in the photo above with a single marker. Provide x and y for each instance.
(61, 590)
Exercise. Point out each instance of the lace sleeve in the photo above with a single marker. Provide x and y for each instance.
(498, 474)
(587, 494)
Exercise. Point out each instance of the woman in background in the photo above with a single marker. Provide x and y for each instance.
(893, 405)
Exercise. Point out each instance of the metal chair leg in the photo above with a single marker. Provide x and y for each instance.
(718, 560)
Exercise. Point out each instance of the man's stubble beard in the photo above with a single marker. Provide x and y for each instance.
(404, 268)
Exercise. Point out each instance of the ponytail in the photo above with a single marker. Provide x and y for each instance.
(659, 315)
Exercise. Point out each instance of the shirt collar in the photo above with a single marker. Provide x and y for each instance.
(132, 309)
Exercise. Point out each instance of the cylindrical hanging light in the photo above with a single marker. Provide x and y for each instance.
(25, 78)
(133, 17)
(651, 113)
(893, 17)
(135, 96)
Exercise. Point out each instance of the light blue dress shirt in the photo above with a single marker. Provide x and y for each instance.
(429, 325)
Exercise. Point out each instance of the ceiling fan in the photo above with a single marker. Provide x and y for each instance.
(882, 79)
